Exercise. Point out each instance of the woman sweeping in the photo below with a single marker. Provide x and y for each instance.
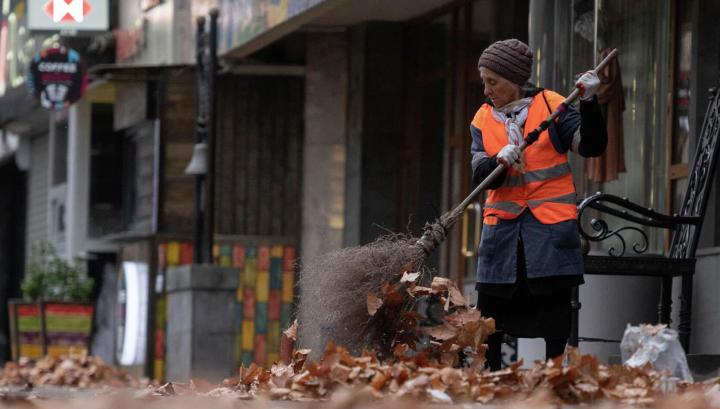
(529, 257)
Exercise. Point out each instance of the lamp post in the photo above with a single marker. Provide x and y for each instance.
(202, 164)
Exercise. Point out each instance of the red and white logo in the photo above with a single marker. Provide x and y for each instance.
(67, 10)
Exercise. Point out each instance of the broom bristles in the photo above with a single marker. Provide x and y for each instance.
(334, 288)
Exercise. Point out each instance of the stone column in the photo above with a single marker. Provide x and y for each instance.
(200, 331)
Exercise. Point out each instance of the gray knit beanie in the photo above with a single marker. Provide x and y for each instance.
(511, 59)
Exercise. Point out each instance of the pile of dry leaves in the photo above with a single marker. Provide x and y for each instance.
(417, 376)
(76, 370)
(440, 363)
(460, 335)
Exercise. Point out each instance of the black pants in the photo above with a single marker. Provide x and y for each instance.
(538, 309)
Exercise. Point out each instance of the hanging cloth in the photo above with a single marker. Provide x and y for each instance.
(607, 167)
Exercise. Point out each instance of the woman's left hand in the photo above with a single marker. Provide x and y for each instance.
(588, 85)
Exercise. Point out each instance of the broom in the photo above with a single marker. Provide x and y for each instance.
(333, 287)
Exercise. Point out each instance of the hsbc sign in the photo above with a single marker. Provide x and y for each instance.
(72, 11)
(58, 15)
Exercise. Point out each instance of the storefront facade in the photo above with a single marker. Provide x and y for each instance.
(339, 121)
(407, 148)
(665, 68)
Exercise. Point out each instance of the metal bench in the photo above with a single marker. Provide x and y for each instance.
(685, 227)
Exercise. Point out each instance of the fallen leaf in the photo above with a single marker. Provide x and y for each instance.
(442, 332)
(291, 332)
(409, 277)
(373, 303)
(455, 297)
(418, 291)
(439, 396)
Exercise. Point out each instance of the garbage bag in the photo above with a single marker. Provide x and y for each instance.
(655, 344)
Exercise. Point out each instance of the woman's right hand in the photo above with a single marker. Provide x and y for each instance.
(511, 156)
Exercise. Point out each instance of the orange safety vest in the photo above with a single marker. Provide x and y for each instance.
(547, 186)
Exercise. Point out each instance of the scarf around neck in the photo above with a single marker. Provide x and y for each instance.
(513, 116)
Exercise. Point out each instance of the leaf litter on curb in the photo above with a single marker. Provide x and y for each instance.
(74, 370)
(440, 364)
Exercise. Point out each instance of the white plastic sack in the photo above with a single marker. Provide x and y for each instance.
(657, 345)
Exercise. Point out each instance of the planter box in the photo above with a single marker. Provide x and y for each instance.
(49, 328)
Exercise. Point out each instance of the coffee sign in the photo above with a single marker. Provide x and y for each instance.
(57, 78)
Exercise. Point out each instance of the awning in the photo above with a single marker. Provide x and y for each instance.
(131, 72)
(251, 30)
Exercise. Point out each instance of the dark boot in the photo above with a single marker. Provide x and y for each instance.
(494, 352)
(554, 347)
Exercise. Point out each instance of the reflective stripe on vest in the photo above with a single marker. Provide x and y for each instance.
(546, 188)
(537, 175)
(566, 199)
(510, 207)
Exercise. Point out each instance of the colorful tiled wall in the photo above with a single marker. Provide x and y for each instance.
(264, 297)
(29, 325)
(52, 328)
(67, 327)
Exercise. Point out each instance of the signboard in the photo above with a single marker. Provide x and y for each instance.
(57, 78)
(70, 15)
(241, 21)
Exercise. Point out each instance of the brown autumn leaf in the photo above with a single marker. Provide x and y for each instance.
(379, 381)
(409, 277)
(455, 297)
(291, 331)
(443, 332)
(418, 291)
(373, 303)
(250, 374)
(400, 349)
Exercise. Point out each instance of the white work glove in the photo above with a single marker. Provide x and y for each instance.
(511, 155)
(588, 85)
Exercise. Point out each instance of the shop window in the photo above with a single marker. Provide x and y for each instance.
(60, 153)
(680, 145)
(105, 173)
(635, 164)
(129, 155)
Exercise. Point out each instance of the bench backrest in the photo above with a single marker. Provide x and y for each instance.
(700, 180)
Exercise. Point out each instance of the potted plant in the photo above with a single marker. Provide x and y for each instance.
(56, 313)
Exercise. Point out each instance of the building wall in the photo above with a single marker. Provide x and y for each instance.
(259, 155)
(163, 35)
(375, 127)
(143, 139)
(37, 212)
(323, 198)
(178, 133)
(706, 309)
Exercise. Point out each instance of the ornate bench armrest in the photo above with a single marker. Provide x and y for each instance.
(623, 208)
